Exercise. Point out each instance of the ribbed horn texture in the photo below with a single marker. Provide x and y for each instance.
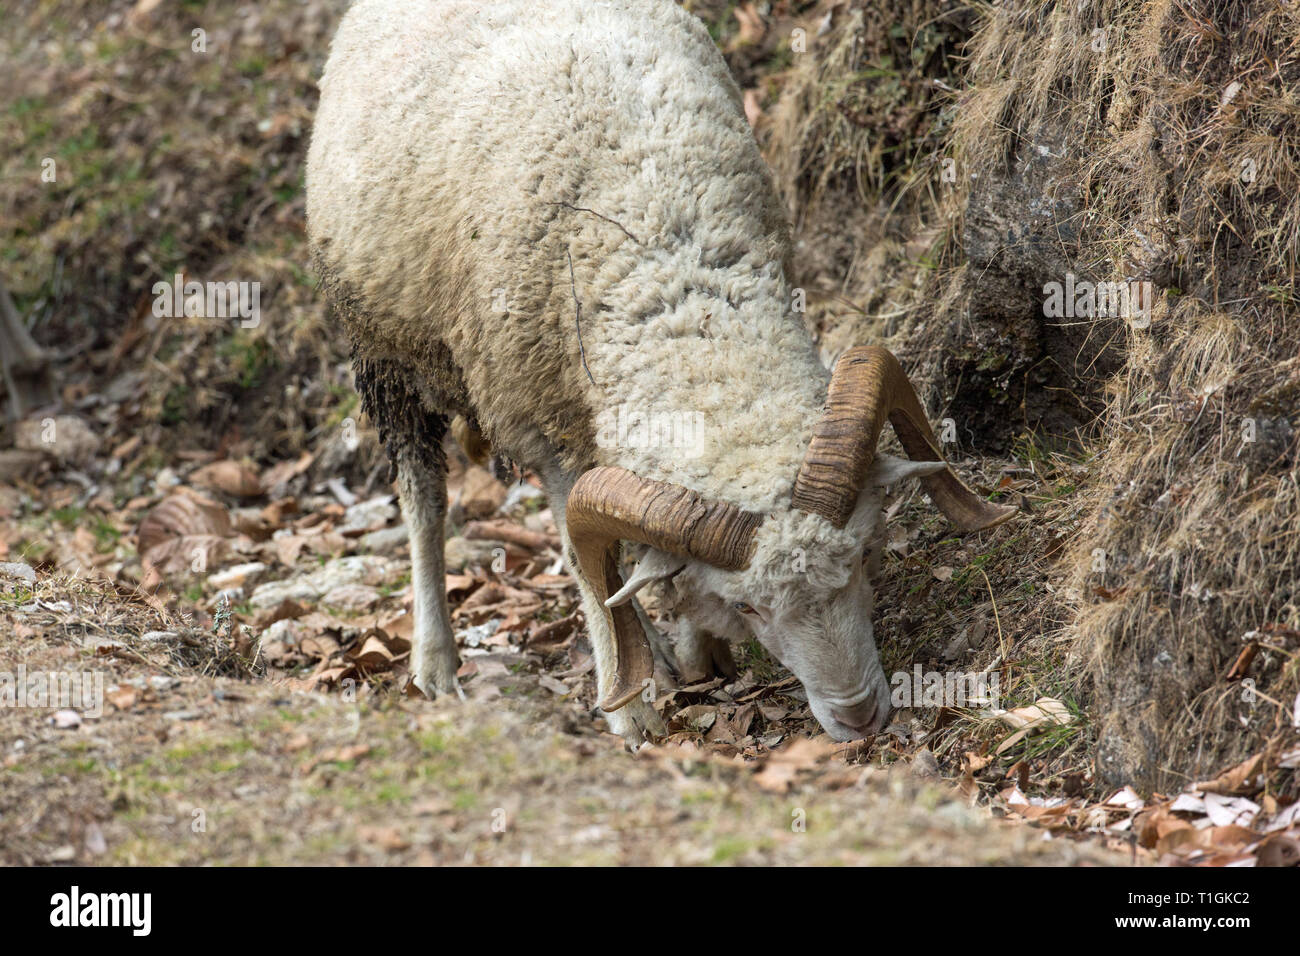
(867, 387)
(609, 505)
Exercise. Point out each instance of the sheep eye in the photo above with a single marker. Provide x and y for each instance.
(743, 608)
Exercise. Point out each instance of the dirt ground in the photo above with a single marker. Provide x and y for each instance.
(189, 769)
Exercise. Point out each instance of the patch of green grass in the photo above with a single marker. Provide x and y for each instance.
(168, 252)
(252, 66)
(302, 276)
(723, 27)
(392, 793)
(729, 848)
(431, 743)
(16, 598)
(754, 655)
(106, 533)
(401, 581)
(32, 114)
(348, 401)
(782, 59)
(250, 359)
(1278, 293)
(82, 144)
(68, 516)
(1039, 448)
(204, 748)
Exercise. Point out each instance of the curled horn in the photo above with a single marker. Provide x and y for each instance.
(609, 505)
(867, 387)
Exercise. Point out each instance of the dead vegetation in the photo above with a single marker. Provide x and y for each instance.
(1114, 141)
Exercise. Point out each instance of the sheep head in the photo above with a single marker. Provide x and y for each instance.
(796, 578)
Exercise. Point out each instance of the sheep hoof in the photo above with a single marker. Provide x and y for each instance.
(436, 684)
(636, 723)
(706, 658)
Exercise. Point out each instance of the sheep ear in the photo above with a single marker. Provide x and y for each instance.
(655, 565)
(888, 470)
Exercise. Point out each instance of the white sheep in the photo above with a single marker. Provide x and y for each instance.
(550, 218)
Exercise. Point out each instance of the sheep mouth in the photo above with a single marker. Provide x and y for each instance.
(864, 719)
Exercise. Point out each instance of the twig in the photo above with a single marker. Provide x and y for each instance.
(553, 628)
(996, 620)
(577, 319)
(612, 222)
(509, 533)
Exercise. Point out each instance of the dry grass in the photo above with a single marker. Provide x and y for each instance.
(1168, 153)
(856, 142)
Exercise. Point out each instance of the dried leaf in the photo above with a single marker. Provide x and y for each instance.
(1046, 711)
(181, 530)
(229, 477)
(752, 26)
(781, 768)
(1243, 779)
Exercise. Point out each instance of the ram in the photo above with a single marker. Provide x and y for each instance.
(543, 217)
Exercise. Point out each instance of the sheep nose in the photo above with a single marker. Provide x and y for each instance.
(865, 717)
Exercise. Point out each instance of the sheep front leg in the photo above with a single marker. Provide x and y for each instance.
(703, 656)
(635, 721)
(666, 666)
(434, 660)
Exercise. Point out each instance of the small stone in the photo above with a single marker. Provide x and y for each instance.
(476, 635)
(957, 647)
(236, 577)
(925, 764)
(19, 572)
(521, 493)
(385, 539)
(226, 597)
(65, 437)
(285, 629)
(540, 521)
(280, 641)
(367, 515)
(273, 593)
(371, 569)
(352, 597)
(554, 686)
(461, 553)
(154, 636)
(96, 845)
(66, 720)
(355, 569)
(19, 465)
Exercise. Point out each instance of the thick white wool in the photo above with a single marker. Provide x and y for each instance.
(456, 148)
(800, 558)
